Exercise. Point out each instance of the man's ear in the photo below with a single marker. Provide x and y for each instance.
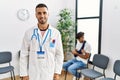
(36, 15)
(48, 14)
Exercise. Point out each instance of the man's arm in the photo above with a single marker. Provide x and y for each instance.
(84, 54)
(58, 56)
(24, 57)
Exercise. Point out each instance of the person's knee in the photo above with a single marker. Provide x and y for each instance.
(70, 69)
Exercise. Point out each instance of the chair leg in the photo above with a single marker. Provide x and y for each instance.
(11, 75)
(66, 75)
(14, 75)
(76, 74)
(104, 75)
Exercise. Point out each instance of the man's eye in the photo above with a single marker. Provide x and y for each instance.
(44, 13)
(39, 13)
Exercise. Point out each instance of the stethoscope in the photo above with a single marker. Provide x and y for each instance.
(37, 37)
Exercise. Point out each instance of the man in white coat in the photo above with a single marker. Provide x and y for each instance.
(41, 56)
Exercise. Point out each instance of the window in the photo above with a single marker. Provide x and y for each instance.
(88, 19)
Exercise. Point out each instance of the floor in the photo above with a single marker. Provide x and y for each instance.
(62, 77)
(69, 77)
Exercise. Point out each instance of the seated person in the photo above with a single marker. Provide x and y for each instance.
(81, 53)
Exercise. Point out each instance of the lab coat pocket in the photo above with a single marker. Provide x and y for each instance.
(52, 43)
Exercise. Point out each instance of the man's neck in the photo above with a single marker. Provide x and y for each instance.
(43, 26)
(81, 41)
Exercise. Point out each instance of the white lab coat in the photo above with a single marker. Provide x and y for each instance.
(44, 69)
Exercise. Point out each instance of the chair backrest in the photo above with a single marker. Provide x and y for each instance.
(100, 61)
(117, 67)
(5, 57)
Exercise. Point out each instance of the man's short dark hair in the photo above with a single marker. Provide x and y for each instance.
(79, 35)
(41, 5)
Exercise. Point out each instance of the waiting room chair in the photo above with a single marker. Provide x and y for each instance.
(99, 61)
(6, 57)
(116, 70)
(79, 69)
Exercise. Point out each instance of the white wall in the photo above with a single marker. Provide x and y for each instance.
(111, 32)
(12, 29)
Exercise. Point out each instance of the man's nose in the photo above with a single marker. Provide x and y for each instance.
(42, 15)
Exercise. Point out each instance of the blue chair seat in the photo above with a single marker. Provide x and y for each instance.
(91, 73)
(107, 79)
(6, 69)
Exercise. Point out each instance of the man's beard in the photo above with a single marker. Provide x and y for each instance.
(42, 21)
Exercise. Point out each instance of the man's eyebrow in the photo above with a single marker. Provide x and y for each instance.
(42, 12)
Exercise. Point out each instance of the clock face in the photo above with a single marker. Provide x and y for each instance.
(23, 14)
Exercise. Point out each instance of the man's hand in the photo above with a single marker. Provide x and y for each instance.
(83, 51)
(25, 78)
(56, 76)
(74, 52)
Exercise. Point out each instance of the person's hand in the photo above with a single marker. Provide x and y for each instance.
(83, 51)
(56, 76)
(74, 52)
(25, 78)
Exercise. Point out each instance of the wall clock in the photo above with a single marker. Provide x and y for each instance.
(23, 14)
